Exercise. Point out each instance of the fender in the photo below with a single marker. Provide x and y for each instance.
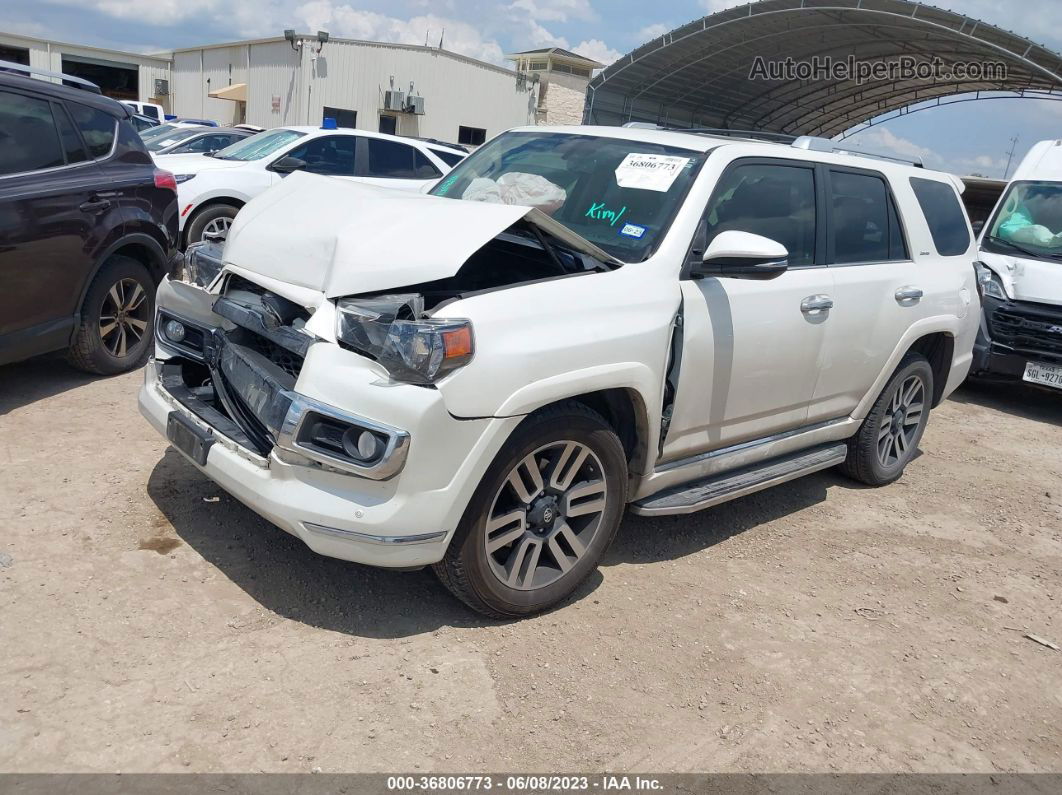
(158, 264)
(952, 326)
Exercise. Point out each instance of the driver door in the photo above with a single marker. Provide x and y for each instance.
(752, 350)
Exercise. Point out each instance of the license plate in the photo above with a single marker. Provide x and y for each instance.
(1046, 374)
(188, 437)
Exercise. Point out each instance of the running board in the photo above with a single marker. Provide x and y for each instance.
(690, 497)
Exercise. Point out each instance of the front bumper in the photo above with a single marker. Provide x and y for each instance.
(1013, 333)
(404, 521)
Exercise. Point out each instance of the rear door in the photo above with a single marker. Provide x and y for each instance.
(49, 206)
(393, 164)
(880, 289)
(329, 155)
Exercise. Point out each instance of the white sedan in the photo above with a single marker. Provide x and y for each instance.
(212, 188)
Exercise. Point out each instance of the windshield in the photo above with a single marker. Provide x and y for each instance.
(258, 146)
(621, 195)
(1028, 221)
(176, 136)
(155, 132)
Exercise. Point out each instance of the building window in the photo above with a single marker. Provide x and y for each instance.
(473, 136)
(344, 118)
(388, 124)
(538, 65)
(14, 54)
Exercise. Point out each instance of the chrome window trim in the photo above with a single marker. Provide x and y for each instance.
(80, 163)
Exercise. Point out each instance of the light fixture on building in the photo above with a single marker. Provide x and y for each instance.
(289, 36)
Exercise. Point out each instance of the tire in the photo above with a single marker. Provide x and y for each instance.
(212, 216)
(117, 319)
(539, 555)
(889, 436)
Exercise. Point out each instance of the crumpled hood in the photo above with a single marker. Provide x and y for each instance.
(1027, 279)
(344, 238)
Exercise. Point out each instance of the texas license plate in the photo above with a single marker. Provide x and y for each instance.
(1046, 374)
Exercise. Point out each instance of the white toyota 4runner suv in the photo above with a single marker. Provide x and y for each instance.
(575, 320)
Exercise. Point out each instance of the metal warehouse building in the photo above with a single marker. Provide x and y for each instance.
(300, 79)
(408, 89)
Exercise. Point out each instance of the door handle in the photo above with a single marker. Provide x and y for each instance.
(816, 303)
(95, 204)
(908, 294)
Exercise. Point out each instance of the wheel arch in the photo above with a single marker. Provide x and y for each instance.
(139, 246)
(205, 204)
(939, 350)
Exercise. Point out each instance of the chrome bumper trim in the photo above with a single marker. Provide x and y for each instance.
(353, 535)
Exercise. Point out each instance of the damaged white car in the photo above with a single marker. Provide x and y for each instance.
(574, 320)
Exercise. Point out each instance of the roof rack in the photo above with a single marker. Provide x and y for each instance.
(812, 143)
(74, 82)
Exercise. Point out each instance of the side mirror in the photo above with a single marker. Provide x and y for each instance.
(743, 255)
(287, 164)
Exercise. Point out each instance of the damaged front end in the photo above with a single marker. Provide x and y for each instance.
(238, 377)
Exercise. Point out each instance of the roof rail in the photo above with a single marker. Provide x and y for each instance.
(815, 143)
(75, 82)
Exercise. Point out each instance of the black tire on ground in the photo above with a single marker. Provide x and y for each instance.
(577, 524)
(877, 455)
(202, 219)
(117, 319)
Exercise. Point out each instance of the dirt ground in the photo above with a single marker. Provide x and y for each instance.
(149, 622)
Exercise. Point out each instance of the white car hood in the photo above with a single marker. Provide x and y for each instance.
(1027, 279)
(344, 238)
(193, 163)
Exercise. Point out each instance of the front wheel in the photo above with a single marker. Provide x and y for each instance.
(211, 223)
(544, 513)
(889, 436)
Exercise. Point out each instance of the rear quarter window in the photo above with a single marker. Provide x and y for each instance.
(944, 214)
(97, 128)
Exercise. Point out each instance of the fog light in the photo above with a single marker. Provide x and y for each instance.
(361, 444)
(174, 331)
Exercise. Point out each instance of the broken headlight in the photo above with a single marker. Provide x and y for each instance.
(392, 330)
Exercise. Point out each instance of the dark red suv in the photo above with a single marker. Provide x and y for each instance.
(88, 225)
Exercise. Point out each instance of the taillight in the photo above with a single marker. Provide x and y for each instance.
(164, 179)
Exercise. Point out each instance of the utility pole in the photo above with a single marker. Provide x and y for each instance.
(1010, 155)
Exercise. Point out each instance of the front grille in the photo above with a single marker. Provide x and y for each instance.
(1028, 327)
(288, 361)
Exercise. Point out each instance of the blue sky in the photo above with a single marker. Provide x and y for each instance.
(967, 137)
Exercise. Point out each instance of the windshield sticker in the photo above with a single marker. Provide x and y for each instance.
(599, 212)
(649, 172)
(632, 230)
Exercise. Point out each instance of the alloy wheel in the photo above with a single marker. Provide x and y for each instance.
(545, 515)
(124, 317)
(900, 424)
(217, 228)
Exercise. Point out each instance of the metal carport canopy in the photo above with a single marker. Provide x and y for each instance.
(698, 75)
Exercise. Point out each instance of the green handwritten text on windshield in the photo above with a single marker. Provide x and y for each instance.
(599, 212)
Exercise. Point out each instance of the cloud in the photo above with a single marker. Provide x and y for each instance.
(556, 10)
(650, 32)
(345, 21)
(711, 6)
(598, 50)
(882, 139)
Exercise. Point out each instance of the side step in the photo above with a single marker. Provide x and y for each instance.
(717, 489)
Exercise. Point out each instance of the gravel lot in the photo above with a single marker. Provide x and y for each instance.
(149, 622)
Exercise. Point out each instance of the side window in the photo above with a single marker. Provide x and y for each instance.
(29, 140)
(944, 214)
(863, 222)
(425, 168)
(97, 128)
(332, 155)
(450, 158)
(776, 201)
(72, 146)
(393, 160)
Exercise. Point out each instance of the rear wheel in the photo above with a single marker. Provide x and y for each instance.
(117, 319)
(889, 436)
(540, 520)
